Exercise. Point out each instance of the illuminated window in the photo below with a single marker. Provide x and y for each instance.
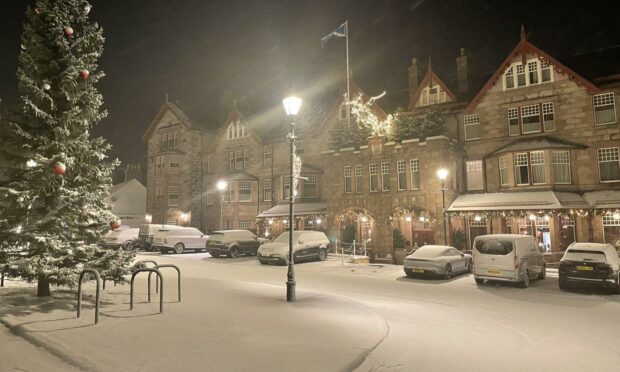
(414, 167)
(561, 167)
(237, 129)
(374, 177)
(358, 178)
(402, 175)
(385, 176)
(475, 178)
(348, 181)
(537, 159)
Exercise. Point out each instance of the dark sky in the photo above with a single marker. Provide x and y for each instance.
(205, 52)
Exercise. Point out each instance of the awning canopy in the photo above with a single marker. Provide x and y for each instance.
(604, 199)
(300, 209)
(528, 200)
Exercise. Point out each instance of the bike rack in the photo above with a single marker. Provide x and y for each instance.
(178, 279)
(79, 299)
(142, 263)
(161, 292)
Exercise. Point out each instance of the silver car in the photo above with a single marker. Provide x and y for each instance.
(437, 260)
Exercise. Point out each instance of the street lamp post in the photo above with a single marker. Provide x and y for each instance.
(442, 174)
(291, 106)
(221, 186)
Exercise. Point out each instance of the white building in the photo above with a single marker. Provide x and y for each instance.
(128, 202)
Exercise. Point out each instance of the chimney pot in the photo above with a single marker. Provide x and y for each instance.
(462, 71)
(413, 79)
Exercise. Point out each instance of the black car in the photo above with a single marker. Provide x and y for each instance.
(590, 265)
(232, 243)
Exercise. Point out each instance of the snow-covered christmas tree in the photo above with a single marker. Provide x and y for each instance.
(52, 210)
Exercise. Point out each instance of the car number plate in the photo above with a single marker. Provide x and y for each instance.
(585, 268)
(416, 270)
(493, 272)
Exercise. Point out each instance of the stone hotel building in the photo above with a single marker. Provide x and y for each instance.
(531, 149)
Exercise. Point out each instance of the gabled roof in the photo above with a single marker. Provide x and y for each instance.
(167, 106)
(235, 114)
(428, 81)
(537, 143)
(522, 49)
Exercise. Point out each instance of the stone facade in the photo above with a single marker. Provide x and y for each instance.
(175, 168)
(534, 127)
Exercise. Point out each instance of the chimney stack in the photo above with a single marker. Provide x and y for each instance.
(413, 78)
(133, 171)
(461, 72)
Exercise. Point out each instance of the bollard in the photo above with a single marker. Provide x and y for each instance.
(161, 292)
(354, 248)
(79, 304)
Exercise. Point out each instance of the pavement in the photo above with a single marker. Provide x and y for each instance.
(218, 326)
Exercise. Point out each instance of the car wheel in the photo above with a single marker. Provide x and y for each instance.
(479, 281)
(447, 272)
(127, 246)
(233, 252)
(409, 273)
(543, 273)
(322, 254)
(179, 248)
(214, 254)
(526, 279)
(470, 266)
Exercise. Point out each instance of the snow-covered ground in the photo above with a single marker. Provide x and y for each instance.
(233, 317)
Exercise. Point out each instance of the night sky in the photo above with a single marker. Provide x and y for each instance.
(205, 53)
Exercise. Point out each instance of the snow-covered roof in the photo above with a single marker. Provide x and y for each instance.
(517, 201)
(300, 209)
(603, 199)
(538, 143)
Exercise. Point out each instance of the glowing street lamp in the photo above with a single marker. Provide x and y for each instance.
(221, 186)
(442, 174)
(292, 105)
(148, 218)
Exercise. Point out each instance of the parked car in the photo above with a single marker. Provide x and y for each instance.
(590, 264)
(506, 257)
(121, 238)
(232, 243)
(179, 239)
(307, 245)
(147, 232)
(437, 260)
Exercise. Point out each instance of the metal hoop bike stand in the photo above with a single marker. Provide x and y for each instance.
(178, 279)
(161, 292)
(79, 299)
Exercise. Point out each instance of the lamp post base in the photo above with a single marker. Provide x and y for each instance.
(290, 290)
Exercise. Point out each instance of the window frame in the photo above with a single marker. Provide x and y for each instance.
(602, 97)
(503, 171)
(471, 120)
(267, 156)
(414, 169)
(348, 180)
(174, 159)
(540, 161)
(512, 73)
(267, 185)
(358, 178)
(469, 169)
(311, 180)
(373, 174)
(385, 176)
(534, 107)
(245, 186)
(554, 162)
(401, 171)
(616, 150)
(526, 165)
(171, 191)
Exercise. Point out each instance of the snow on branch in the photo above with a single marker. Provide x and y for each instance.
(364, 115)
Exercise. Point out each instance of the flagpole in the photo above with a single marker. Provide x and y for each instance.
(346, 33)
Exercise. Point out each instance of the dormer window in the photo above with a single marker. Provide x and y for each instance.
(432, 95)
(342, 111)
(534, 71)
(237, 129)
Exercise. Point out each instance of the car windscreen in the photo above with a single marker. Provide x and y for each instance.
(494, 246)
(583, 255)
(428, 252)
(283, 238)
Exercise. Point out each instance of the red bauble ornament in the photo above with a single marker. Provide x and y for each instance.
(59, 168)
(68, 31)
(84, 74)
(115, 224)
(37, 10)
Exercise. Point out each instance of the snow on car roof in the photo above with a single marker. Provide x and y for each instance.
(587, 246)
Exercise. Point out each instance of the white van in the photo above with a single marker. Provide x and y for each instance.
(179, 239)
(506, 257)
(147, 231)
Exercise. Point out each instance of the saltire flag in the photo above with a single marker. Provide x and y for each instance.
(341, 31)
